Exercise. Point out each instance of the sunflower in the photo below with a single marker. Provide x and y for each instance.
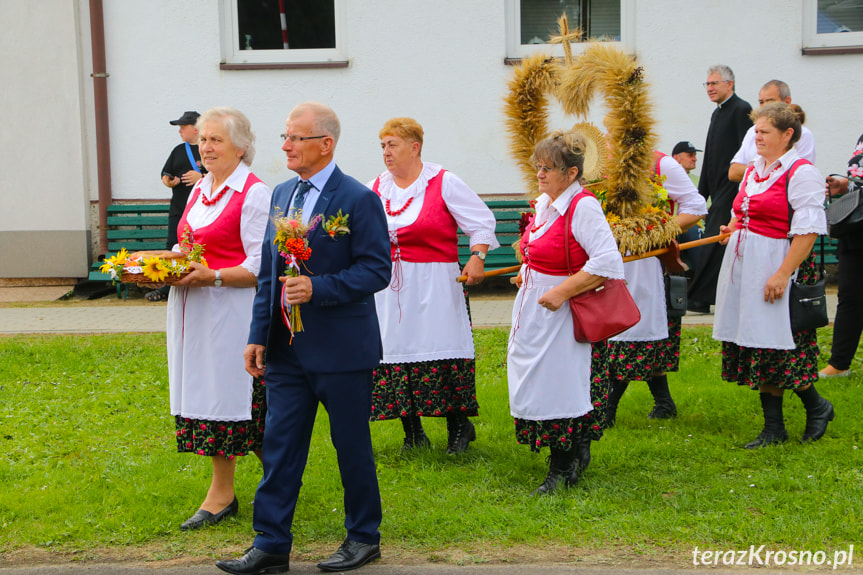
(155, 269)
(114, 261)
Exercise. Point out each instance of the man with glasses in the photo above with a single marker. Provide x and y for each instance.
(772, 91)
(331, 360)
(728, 126)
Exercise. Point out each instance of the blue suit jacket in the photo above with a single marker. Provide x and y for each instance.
(340, 324)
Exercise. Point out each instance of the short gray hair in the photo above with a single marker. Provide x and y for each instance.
(325, 118)
(784, 90)
(725, 72)
(238, 126)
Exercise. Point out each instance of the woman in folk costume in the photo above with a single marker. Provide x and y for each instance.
(651, 348)
(550, 375)
(428, 367)
(752, 319)
(219, 410)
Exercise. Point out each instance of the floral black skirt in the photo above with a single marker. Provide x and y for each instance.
(425, 388)
(563, 433)
(783, 368)
(226, 438)
(640, 360)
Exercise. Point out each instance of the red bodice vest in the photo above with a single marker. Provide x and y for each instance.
(766, 213)
(432, 237)
(545, 254)
(222, 240)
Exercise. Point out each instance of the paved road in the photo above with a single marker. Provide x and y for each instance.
(383, 569)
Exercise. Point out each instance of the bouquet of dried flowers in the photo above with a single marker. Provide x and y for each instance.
(292, 241)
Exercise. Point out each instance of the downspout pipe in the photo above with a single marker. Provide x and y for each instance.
(100, 97)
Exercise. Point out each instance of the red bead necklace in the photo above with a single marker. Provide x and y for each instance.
(214, 200)
(759, 179)
(399, 211)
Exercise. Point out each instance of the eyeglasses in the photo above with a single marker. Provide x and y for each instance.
(543, 169)
(294, 138)
(714, 83)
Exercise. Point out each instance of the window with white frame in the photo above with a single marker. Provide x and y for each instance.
(830, 25)
(530, 23)
(262, 32)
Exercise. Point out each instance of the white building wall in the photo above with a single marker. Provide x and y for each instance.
(44, 224)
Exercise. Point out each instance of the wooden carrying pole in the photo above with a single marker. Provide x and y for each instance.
(650, 254)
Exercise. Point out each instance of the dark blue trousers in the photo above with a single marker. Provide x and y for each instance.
(292, 402)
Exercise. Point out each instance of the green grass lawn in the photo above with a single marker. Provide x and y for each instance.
(90, 470)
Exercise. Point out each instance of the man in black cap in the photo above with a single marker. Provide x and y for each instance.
(684, 153)
(181, 172)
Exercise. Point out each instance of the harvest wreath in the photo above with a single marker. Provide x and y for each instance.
(620, 172)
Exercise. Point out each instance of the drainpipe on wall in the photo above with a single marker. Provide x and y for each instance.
(100, 93)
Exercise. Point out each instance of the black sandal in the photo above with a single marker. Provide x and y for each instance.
(160, 294)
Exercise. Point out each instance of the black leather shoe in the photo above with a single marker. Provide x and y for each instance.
(256, 562)
(202, 518)
(460, 432)
(351, 555)
(817, 420)
(766, 438)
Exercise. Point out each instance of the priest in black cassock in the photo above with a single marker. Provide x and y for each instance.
(728, 125)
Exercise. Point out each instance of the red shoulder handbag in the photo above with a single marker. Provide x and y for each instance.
(603, 312)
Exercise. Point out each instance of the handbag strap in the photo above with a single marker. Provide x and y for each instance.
(793, 168)
(567, 225)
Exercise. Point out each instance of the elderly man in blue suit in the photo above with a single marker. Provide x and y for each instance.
(331, 360)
